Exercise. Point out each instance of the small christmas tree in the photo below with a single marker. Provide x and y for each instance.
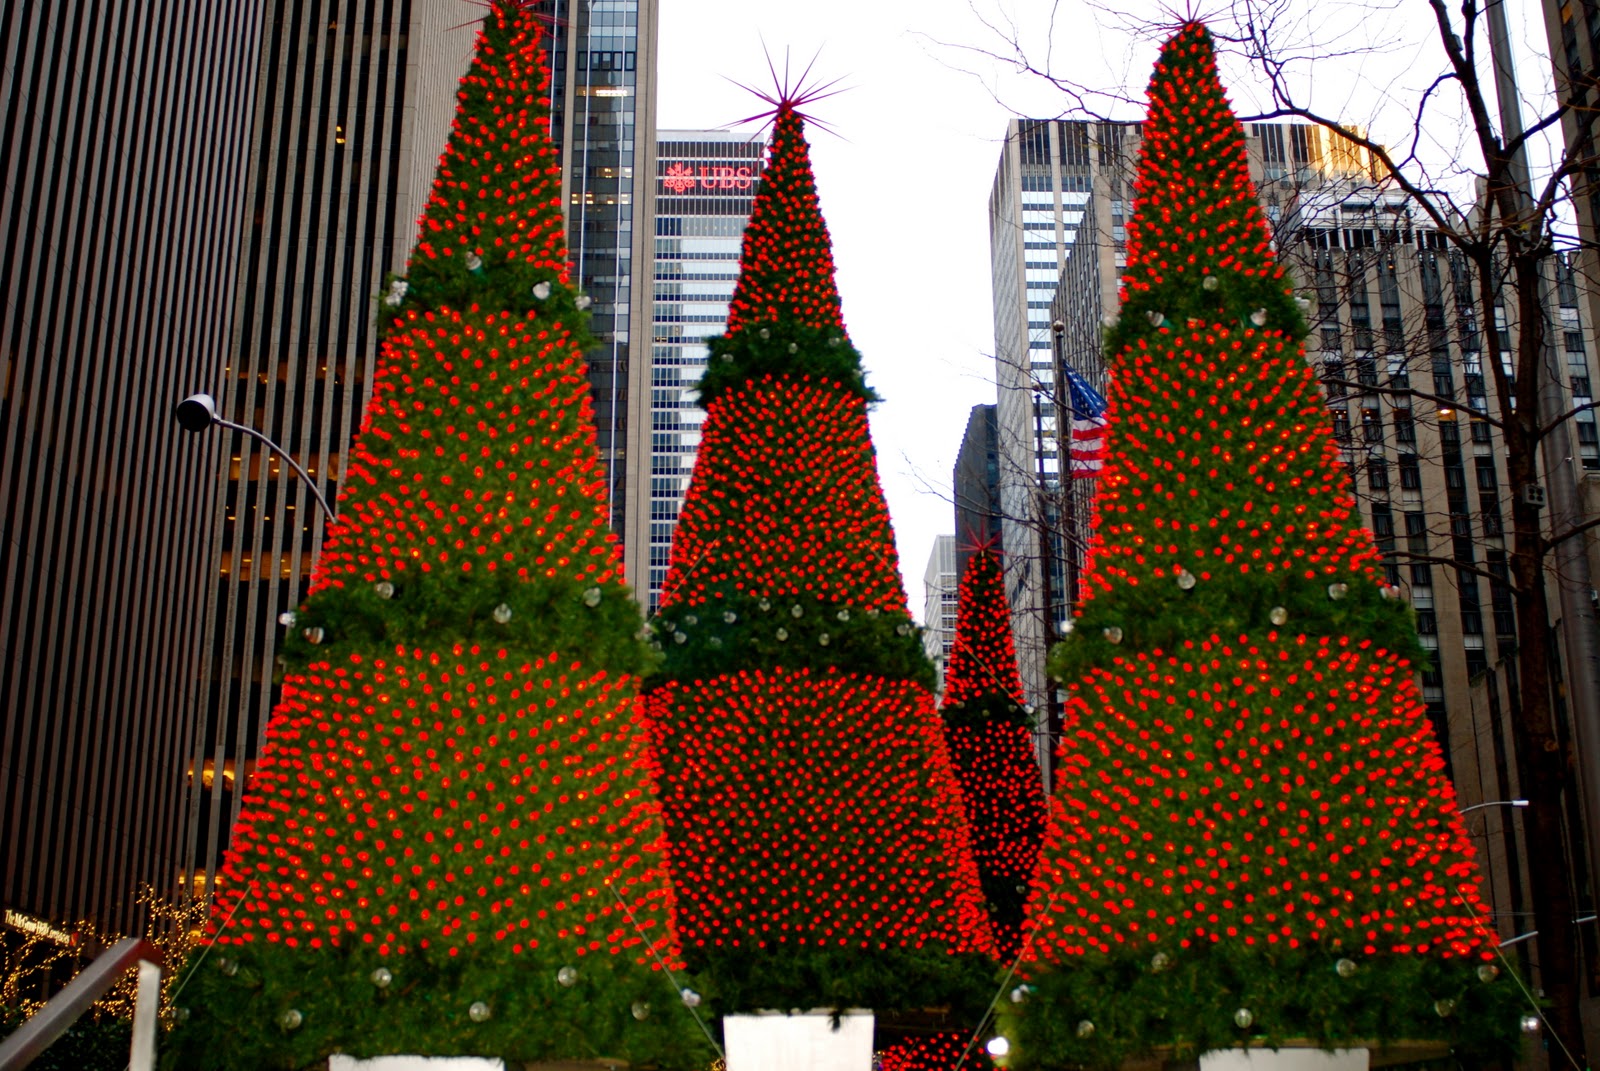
(814, 824)
(1252, 833)
(452, 845)
(991, 745)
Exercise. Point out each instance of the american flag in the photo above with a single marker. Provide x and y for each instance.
(1088, 448)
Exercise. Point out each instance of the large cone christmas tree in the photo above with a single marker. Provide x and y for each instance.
(814, 826)
(452, 845)
(1252, 833)
(991, 744)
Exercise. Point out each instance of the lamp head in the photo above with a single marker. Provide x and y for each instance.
(196, 412)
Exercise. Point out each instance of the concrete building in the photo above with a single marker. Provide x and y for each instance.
(705, 188)
(353, 106)
(125, 140)
(941, 586)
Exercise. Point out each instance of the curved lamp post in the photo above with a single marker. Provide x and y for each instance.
(198, 412)
(1495, 803)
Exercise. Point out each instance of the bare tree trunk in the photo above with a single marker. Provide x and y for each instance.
(1542, 770)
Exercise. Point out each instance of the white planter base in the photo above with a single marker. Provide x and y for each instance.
(1286, 1060)
(341, 1062)
(772, 1041)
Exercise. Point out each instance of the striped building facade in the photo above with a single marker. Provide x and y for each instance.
(124, 136)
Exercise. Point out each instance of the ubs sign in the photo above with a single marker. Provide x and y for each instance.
(681, 178)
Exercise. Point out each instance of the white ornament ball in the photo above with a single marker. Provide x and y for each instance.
(478, 1011)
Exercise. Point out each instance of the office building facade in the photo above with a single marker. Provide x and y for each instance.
(1049, 169)
(705, 187)
(941, 586)
(354, 102)
(124, 135)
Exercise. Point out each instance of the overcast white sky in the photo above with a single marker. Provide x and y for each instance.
(905, 186)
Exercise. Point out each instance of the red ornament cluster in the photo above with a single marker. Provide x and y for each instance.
(1292, 793)
(1196, 212)
(813, 809)
(934, 1052)
(499, 177)
(438, 798)
(502, 405)
(983, 658)
(1222, 463)
(786, 271)
(785, 503)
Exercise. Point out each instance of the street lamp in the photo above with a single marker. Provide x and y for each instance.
(198, 412)
(1495, 803)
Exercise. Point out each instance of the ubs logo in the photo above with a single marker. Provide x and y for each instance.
(681, 178)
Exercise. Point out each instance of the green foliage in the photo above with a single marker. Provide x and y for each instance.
(780, 978)
(784, 347)
(556, 610)
(446, 284)
(1189, 1007)
(1196, 214)
(987, 709)
(1162, 616)
(766, 632)
(89, 1044)
(236, 1022)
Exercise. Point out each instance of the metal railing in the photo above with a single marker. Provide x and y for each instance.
(62, 1010)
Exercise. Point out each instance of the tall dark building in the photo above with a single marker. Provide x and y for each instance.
(354, 100)
(976, 479)
(603, 119)
(124, 132)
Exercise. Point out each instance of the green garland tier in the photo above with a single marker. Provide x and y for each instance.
(453, 842)
(1252, 833)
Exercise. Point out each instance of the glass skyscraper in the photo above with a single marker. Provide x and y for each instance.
(602, 59)
(705, 188)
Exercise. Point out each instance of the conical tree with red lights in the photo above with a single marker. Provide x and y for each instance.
(991, 744)
(453, 842)
(814, 825)
(1252, 835)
